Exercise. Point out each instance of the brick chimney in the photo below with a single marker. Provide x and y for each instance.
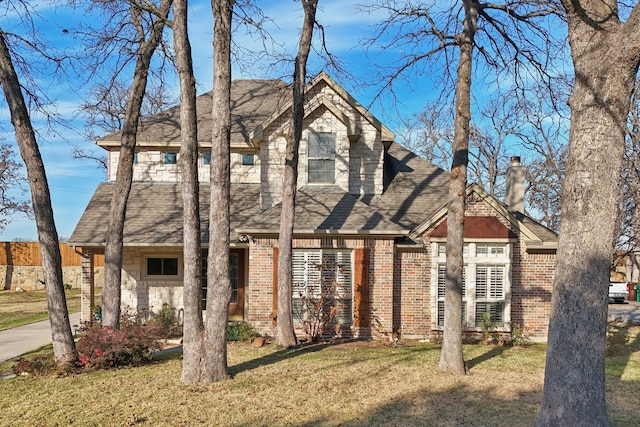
(515, 186)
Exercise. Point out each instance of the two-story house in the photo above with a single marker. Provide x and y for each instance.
(370, 215)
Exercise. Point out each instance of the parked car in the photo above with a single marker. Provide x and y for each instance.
(618, 292)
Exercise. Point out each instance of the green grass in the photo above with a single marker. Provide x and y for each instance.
(353, 384)
(21, 308)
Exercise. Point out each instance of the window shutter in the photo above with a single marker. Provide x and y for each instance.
(361, 288)
(274, 312)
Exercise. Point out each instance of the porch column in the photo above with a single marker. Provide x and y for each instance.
(87, 289)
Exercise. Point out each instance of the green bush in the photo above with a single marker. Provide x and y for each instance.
(240, 331)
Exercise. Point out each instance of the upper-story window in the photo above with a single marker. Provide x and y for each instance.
(322, 158)
(206, 158)
(170, 158)
(248, 159)
(135, 158)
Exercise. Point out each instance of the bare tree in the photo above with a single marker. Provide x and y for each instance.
(111, 292)
(11, 187)
(105, 113)
(63, 343)
(285, 335)
(193, 337)
(574, 385)
(629, 216)
(219, 284)
(428, 33)
(451, 356)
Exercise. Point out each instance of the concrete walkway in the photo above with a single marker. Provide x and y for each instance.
(20, 340)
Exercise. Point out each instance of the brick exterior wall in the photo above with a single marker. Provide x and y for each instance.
(531, 279)
(259, 291)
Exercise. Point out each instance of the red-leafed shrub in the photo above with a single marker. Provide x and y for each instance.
(104, 348)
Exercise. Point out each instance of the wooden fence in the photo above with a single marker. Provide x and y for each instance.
(28, 253)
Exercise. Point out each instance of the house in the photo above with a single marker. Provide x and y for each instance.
(370, 215)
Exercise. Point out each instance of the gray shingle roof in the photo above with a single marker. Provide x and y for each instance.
(325, 209)
(252, 102)
(414, 187)
(154, 214)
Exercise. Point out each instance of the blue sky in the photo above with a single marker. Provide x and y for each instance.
(72, 181)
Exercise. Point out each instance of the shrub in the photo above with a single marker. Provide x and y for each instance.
(104, 348)
(240, 331)
(166, 324)
(519, 335)
(37, 366)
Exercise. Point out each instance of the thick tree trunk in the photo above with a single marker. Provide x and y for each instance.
(285, 334)
(219, 284)
(574, 387)
(451, 356)
(64, 348)
(111, 292)
(193, 326)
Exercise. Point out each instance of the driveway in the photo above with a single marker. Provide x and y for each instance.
(628, 312)
(20, 340)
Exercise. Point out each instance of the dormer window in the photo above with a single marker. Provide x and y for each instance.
(170, 158)
(321, 158)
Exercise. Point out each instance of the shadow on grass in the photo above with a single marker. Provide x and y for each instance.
(496, 351)
(285, 354)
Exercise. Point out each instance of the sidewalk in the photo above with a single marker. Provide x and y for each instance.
(20, 340)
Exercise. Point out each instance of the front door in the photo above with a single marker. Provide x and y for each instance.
(237, 258)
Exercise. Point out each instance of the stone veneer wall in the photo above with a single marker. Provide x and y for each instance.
(139, 293)
(150, 168)
(29, 278)
(359, 165)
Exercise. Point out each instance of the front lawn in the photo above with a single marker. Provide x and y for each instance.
(20, 308)
(352, 384)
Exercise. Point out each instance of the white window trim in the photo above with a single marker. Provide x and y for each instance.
(470, 262)
(348, 286)
(334, 158)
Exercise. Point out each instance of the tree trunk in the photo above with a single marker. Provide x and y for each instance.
(64, 348)
(111, 292)
(219, 284)
(193, 326)
(451, 356)
(285, 334)
(574, 386)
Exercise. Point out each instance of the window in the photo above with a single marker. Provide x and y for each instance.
(135, 158)
(322, 158)
(322, 276)
(442, 276)
(485, 283)
(162, 266)
(490, 281)
(206, 158)
(170, 158)
(490, 249)
(248, 159)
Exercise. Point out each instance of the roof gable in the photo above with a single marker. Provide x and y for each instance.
(535, 235)
(477, 227)
(353, 128)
